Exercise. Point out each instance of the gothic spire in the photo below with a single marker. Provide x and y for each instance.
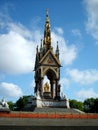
(41, 45)
(37, 50)
(57, 51)
(47, 32)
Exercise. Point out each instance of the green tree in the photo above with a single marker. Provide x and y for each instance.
(77, 104)
(21, 103)
(89, 105)
(11, 105)
(95, 108)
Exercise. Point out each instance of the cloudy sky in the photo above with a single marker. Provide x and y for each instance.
(74, 24)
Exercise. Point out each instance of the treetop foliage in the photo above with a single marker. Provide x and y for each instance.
(89, 105)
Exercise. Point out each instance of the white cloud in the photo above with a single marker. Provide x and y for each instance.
(59, 30)
(15, 53)
(83, 77)
(68, 53)
(20, 29)
(18, 46)
(92, 17)
(76, 32)
(17, 49)
(64, 83)
(10, 90)
(86, 93)
(32, 85)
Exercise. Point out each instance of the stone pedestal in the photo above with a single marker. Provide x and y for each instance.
(47, 95)
(40, 103)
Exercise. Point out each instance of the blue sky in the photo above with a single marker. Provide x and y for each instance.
(74, 24)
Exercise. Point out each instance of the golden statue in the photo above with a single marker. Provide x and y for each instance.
(46, 87)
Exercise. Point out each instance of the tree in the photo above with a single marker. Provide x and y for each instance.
(21, 102)
(95, 108)
(11, 105)
(91, 105)
(77, 104)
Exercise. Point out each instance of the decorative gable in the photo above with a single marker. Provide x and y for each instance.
(50, 59)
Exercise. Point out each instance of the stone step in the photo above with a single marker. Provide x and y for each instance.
(54, 110)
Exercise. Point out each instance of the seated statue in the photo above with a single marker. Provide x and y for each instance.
(46, 87)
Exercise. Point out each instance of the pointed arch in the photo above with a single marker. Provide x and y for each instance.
(52, 72)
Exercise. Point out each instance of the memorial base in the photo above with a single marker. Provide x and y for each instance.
(40, 103)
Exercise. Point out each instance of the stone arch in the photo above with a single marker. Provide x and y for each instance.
(52, 75)
(52, 71)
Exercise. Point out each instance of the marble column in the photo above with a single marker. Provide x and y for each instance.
(56, 88)
(41, 86)
(51, 89)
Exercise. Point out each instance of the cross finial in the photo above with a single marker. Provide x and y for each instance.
(46, 12)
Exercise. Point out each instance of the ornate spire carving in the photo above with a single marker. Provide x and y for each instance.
(37, 50)
(47, 32)
(41, 45)
(57, 51)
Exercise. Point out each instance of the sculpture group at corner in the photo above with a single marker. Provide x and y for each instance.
(4, 105)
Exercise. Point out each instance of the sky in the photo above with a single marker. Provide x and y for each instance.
(74, 24)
